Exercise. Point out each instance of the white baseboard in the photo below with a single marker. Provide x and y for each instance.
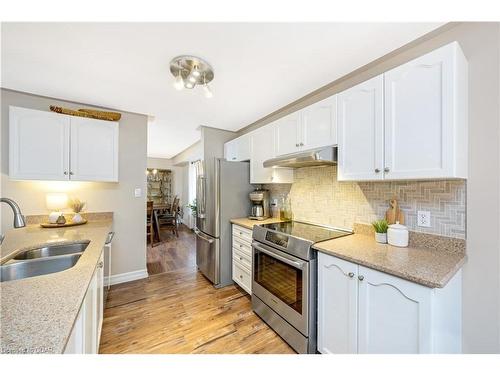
(124, 277)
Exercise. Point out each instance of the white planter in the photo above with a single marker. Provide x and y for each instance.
(77, 218)
(381, 237)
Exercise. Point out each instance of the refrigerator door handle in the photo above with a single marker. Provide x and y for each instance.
(203, 236)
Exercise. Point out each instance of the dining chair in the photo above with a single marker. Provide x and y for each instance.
(150, 222)
(170, 219)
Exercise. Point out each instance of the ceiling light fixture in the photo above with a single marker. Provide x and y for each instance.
(190, 71)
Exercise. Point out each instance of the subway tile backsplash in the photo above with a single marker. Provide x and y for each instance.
(318, 197)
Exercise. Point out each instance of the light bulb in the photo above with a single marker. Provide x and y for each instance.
(189, 85)
(195, 73)
(192, 78)
(207, 91)
(179, 82)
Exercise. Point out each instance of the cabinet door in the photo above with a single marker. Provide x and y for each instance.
(319, 124)
(94, 150)
(244, 148)
(394, 315)
(99, 298)
(361, 131)
(262, 147)
(337, 305)
(75, 344)
(89, 316)
(38, 145)
(287, 131)
(419, 117)
(231, 150)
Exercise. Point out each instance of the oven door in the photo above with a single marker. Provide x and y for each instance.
(281, 282)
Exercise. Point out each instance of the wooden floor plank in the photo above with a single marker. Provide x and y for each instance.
(177, 310)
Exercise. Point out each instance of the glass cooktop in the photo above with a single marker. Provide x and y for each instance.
(310, 232)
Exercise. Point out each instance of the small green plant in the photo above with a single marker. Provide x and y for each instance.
(380, 226)
(192, 207)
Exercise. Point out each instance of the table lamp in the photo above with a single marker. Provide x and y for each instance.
(56, 202)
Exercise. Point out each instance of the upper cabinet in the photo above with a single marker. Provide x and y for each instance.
(426, 116)
(310, 128)
(409, 123)
(361, 131)
(238, 149)
(49, 146)
(261, 149)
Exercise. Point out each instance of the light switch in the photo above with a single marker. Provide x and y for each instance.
(138, 192)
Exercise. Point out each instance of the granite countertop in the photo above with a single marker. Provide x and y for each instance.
(430, 267)
(245, 222)
(38, 313)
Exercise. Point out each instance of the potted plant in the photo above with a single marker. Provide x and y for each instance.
(77, 207)
(192, 207)
(380, 227)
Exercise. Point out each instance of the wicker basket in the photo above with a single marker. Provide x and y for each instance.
(89, 113)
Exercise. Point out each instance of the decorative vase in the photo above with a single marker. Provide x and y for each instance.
(381, 237)
(77, 218)
(61, 219)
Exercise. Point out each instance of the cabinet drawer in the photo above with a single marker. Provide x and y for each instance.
(243, 246)
(242, 258)
(242, 233)
(242, 277)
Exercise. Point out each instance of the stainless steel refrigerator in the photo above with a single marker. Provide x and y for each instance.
(222, 189)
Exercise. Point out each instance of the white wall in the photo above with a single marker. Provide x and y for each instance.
(129, 243)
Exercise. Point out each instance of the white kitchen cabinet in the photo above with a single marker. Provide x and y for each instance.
(319, 124)
(262, 149)
(86, 333)
(310, 128)
(426, 116)
(287, 133)
(361, 131)
(94, 150)
(391, 315)
(50, 146)
(38, 145)
(408, 123)
(337, 305)
(238, 149)
(242, 257)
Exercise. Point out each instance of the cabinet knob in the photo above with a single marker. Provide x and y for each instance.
(65, 172)
(301, 144)
(71, 173)
(350, 274)
(386, 169)
(296, 145)
(377, 170)
(361, 277)
(100, 264)
(241, 276)
(241, 258)
(234, 158)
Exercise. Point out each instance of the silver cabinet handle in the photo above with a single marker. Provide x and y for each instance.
(100, 264)
(350, 274)
(301, 144)
(109, 238)
(241, 276)
(71, 173)
(296, 145)
(386, 169)
(377, 170)
(65, 172)
(361, 277)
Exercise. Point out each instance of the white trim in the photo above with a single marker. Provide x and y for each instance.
(124, 277)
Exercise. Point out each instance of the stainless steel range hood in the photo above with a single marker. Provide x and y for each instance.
(313, 158)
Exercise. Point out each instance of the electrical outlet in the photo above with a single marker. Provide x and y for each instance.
(137, 193)
(423, 218)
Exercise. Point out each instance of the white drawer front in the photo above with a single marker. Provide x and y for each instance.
(242, 233)
(242, 246)
(242, 259)
(242, 277)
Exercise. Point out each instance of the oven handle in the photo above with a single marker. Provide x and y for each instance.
(299, 265)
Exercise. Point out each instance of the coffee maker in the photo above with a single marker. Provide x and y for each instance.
(260, 204)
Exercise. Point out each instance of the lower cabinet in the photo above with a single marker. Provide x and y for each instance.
(361, 310)
(86, 333)
(242, 257)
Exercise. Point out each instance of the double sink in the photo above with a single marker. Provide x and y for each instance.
(42, 261)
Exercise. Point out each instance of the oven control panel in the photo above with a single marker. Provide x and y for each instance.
(277, 239)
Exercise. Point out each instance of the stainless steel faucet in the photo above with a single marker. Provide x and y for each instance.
(19, 221)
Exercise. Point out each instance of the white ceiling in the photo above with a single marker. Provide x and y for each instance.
(258, 67)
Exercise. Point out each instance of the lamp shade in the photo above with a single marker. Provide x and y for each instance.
(56, 201)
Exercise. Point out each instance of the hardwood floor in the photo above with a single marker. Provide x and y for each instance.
(179, 311)
(172, 253)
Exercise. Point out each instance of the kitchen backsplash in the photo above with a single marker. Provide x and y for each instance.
(318, 197)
